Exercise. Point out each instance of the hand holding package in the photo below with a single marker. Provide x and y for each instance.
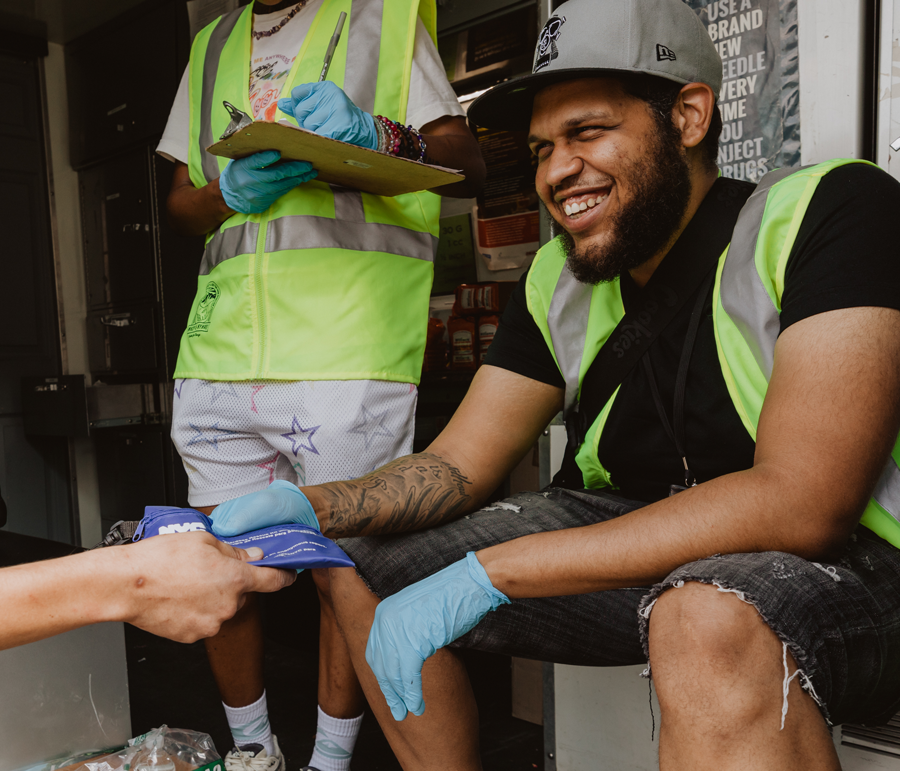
(281, 503)
(286, 545)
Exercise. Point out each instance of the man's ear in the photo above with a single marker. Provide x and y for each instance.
(693, 112)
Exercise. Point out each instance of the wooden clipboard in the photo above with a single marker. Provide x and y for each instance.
(337, 162)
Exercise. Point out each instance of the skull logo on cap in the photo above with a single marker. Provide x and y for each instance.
(547, 50)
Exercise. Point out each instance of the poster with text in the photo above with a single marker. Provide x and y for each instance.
(508, 232)
(760, 100)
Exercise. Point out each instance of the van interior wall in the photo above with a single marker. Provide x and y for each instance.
(832, 78)
(70, 262)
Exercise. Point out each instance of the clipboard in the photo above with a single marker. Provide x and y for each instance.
(338, 163)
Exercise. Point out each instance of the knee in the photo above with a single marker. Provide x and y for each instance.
(699, 629)
(719, 670)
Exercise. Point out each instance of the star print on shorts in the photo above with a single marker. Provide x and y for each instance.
(301, 438)
(370, 425)
(269, 466)
(201, 436)
(254, 392)
(220, 388)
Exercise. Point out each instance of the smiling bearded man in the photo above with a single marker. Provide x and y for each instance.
(662, 190)
(699, 527)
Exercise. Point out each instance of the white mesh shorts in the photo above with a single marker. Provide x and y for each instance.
(238, 437)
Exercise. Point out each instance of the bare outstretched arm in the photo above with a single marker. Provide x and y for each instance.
(178, 586)
(498, 421)
(829, 420)
(410, 493)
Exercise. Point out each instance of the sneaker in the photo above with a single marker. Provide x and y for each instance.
(253, 757)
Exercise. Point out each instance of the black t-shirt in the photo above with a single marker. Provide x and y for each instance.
(845, 256)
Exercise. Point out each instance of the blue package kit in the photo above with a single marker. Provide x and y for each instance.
(283, 546)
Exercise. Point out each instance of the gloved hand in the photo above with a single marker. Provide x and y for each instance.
(412, 624)
(251, 185)
(281, 503)
(327, 110)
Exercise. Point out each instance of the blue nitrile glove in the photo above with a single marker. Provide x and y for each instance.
(412, 624)
(327, 110)
(281, 503)
(251, 185)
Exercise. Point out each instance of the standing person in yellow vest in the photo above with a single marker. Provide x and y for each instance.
(304, 346)
(730, 512)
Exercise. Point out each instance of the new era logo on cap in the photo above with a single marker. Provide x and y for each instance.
(664, 54)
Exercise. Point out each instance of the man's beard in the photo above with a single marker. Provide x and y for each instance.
(662, 190)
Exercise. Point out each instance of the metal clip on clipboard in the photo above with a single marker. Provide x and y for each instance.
(239, 120)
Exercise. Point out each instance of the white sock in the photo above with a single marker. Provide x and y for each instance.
(250, 724)
(335, 739)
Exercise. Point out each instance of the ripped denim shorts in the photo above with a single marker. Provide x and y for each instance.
(840, 621)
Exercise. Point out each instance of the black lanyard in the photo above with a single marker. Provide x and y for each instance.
(676, 434)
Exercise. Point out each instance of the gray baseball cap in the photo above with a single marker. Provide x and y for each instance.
(592, 38)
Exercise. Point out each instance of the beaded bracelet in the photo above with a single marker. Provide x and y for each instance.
(421, 141)
(382, 136)
(393, 138)
(397, 139)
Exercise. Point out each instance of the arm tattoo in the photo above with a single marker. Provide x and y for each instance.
(410, 493)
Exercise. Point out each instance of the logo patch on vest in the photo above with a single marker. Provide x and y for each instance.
(664, 54)
(547, 50)
(203, 315)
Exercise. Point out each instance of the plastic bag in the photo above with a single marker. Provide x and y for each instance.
(283, 546)
(162, 749)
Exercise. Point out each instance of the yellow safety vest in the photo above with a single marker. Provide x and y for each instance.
(328, 283)
(577, 319)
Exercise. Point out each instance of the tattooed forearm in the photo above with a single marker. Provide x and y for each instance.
(410, 493)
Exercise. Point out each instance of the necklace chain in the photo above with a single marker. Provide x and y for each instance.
(285, 20)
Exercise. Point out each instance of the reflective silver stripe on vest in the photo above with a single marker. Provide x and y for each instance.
(748, 304)
(348, 204)
(304, 232)
(363, 50)
(217, 40)
(567, 320)
(227, 243)
(744, 297)
(887, 491)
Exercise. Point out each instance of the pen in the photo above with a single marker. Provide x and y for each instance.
(332, 45)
